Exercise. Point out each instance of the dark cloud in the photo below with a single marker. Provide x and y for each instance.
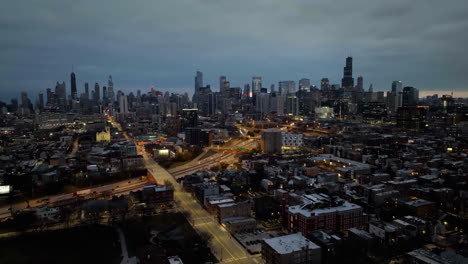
(162, 43)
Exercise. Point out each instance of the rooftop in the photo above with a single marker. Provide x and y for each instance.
(290, 243)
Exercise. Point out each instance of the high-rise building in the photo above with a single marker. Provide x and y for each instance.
(61, 95)
(304, 84)
(86, 87)
(324, 84)
(347, 81)
(97, 96)
(24, 100)
(247, 90)
(110, 90)
(360, 84)
(198, 81)
(256, 84)
(123, 104)
(410, 96)
(222, 80)
(50, 96)
(41, 100)
(74, 94)
(396, 97)
(287, 87)
(190, 117)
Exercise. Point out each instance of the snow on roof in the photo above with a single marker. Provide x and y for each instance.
(312, 199)
(290, 243)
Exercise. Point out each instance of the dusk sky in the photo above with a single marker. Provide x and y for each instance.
(163, 43)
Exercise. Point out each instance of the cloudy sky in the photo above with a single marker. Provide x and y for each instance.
(142, 43)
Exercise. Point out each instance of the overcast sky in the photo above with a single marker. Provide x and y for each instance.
(140, 43)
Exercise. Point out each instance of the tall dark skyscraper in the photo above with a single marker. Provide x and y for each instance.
(50, 96)
(222, 81)
(110, 90)
(86, 90)
(96, 97)
(198, 81)
(348, 80)
(74, 94)
(360, 84)
(61, 95)
(41, 100)
(410, 96)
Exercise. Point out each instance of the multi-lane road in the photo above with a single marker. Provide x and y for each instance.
(224, 246)
(118, 188)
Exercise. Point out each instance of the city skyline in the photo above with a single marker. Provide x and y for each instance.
(426, 54)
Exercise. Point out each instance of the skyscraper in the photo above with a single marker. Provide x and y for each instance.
(287, 87)
(395, 95)
(410, 96)
(24, 100)
(41, 100)
(347, 81)
(360, 84)
(198, 81)
(61, 95)
(304, 84)
(256, 84)
(50, 97)
(324, 84)
(86, 88)
(222, 85)
(110, 90)
(247, 90)
(123, 104)
(97, 96)
(74, 94)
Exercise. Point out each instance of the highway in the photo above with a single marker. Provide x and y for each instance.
(118, 188)
(215, 159)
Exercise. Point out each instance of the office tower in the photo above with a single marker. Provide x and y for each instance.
(304, 84)
(50, 97)
(272, 88)
(287, 87)
(292, 105)
(247, 90)
(222, 80)
(360, 84)
(371, 88)
(410, 96)
(262, 103)
(104, 93)
(123, 104)
(110, 90)
(324, 84)
(24, 100)
(61, 95)
(190, 117)
(86, 87)
(198, 81)
(212, 103)
(256, 84)
(41, 100)
(96, 96)
(348, 80)
(74, 94)
(395, 95)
